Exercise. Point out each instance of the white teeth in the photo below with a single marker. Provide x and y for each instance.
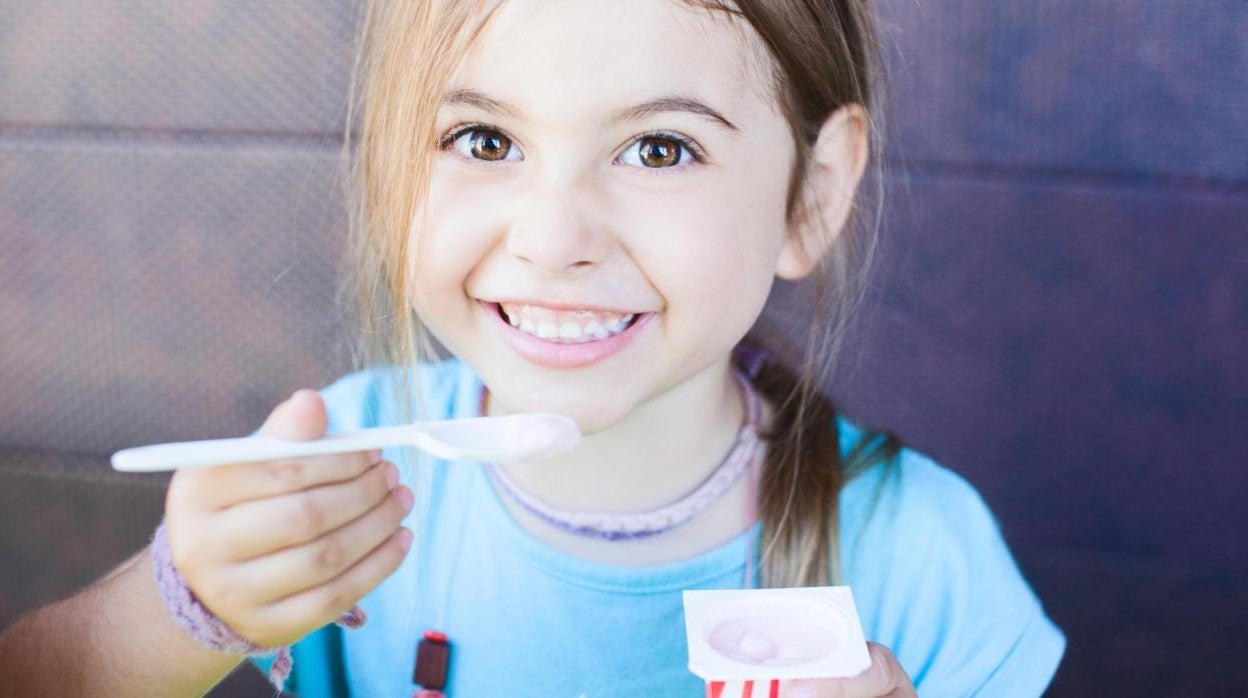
(573, 327)
(596, 331)
(569, 330)
(618, 324)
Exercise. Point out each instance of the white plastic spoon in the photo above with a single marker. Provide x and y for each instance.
(516, 437)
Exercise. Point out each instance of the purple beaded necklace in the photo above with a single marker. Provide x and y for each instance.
(634, 526)
(433, 652)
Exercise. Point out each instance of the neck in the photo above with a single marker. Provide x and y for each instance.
(656, 454)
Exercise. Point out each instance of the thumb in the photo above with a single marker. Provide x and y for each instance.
(884, 677)
(301, 417)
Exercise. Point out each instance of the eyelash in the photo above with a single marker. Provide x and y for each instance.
(695, 151)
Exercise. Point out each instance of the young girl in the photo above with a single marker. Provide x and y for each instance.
(586, 203)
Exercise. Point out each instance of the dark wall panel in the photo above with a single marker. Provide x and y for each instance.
(161, 293)
(1142, 625)
(1077, 352)
(221, 65)
(1130, 87)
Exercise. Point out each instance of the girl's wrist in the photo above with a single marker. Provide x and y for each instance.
(209, 629)
(186, 609)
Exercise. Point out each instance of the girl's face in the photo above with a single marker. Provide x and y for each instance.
(613, 170)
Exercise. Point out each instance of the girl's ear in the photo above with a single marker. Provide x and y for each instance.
(837, 161)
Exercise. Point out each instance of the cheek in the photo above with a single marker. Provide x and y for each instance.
(456, 236)
(726, 288)
(714, 272)
(715, 264)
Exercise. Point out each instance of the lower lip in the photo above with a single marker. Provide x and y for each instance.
(557, 355)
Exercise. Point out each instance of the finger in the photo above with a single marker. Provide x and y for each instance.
(214, 489)
(315, 607)
(884, 677)
(263, 526)
(296, 569)
(301, 417)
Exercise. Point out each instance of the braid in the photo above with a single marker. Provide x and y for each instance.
(803, 473)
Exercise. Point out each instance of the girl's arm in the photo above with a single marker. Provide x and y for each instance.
(114, 638)
(274, 549)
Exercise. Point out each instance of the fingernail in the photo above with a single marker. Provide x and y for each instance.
(374, 455)
(405, 539)
(392, 476)
(406, 499)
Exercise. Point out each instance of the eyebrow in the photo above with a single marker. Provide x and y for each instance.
(660, 105)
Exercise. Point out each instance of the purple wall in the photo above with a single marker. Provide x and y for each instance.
(1064, 312)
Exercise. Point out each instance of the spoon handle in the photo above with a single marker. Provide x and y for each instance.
(198, 454)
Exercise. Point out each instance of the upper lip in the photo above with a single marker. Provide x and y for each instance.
(562, 305)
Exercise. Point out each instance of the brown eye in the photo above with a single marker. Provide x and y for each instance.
(490, 145)
(656, 151)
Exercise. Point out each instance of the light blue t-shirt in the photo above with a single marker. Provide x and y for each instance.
(931, 576)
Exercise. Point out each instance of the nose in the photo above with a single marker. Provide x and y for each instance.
(551, 232)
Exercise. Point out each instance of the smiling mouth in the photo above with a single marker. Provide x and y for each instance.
(564, 326)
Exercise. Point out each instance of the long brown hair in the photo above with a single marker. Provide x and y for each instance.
(823, 57)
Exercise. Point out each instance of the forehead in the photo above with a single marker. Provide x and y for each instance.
(571, 61)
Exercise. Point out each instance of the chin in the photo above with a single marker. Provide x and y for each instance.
(591, 415)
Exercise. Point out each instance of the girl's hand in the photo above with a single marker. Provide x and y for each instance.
(277, 549)
(884, 677)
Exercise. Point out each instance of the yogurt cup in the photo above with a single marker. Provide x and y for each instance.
(744, 642)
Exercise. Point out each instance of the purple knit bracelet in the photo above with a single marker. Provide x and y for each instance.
(206, 627)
